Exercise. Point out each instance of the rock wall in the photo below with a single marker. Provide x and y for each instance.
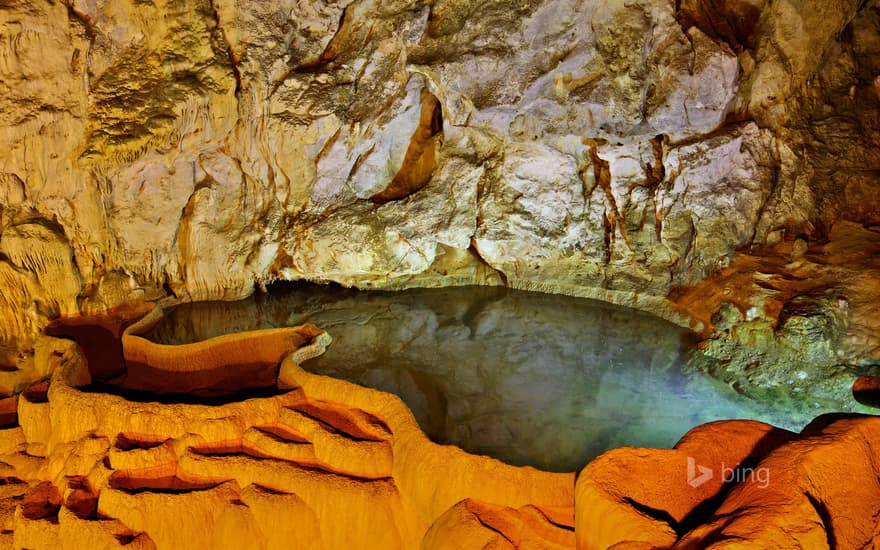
(329, 464)
(594, 147)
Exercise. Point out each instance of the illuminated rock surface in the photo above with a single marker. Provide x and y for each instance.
(602, 148)
(816, 489)
(329, 464)
(324, 465)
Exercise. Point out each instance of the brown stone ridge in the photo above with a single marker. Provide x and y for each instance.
(100, 337)
(740, 481)
(420, 159)
(820, 491)
(846, 266)
(652, 495)
(217, 366)
(163, 477)
(356, 424)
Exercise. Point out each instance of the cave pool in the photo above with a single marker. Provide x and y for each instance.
(529, 378)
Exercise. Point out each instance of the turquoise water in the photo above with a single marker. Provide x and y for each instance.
(529, 378)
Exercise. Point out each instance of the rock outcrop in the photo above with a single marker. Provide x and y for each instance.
(738, 484)
(324, 463)
(792, 318)
(603, 148)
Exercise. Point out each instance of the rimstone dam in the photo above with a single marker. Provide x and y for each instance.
(439, 274)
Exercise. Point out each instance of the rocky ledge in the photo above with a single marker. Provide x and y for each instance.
(329, 464)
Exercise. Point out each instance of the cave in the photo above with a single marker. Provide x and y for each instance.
(521, 274)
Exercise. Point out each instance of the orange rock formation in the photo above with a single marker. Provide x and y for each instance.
(327, 464)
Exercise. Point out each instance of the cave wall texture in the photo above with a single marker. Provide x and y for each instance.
(606, 148)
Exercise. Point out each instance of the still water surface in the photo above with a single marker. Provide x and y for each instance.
(529, 378)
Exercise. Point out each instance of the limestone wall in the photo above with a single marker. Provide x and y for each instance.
(595, 147)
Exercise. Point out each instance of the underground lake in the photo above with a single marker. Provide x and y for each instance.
(528, 378)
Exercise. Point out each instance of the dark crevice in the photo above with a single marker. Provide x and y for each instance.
(825, 517)
(231, 451)
(335, 430)
(38, 392)
(494, 529)
(329, 54)
(764, 446)
(611, 216)
(130, 442)
(126, 539)
(327, 414)
(472, 248)
(75, 15)
(282, 436)
(420, 159)
(730, 22)
(269, 490)
(654, 513)
(166, 491)
(556, 524)
(141, 396)
(228, 46)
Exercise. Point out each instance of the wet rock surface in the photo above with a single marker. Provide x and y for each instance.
(329, 464)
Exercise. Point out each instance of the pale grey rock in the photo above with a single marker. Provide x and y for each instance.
(716, 191)
(594, 147)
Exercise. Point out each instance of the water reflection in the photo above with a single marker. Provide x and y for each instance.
(544, 380)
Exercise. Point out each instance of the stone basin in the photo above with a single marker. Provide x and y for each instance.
(226, 366)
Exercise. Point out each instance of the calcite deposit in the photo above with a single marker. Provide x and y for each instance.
(323, 463)
(604, 148)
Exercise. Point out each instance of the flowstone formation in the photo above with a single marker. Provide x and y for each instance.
(322, 463)
(621, 150)
(319, 463)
